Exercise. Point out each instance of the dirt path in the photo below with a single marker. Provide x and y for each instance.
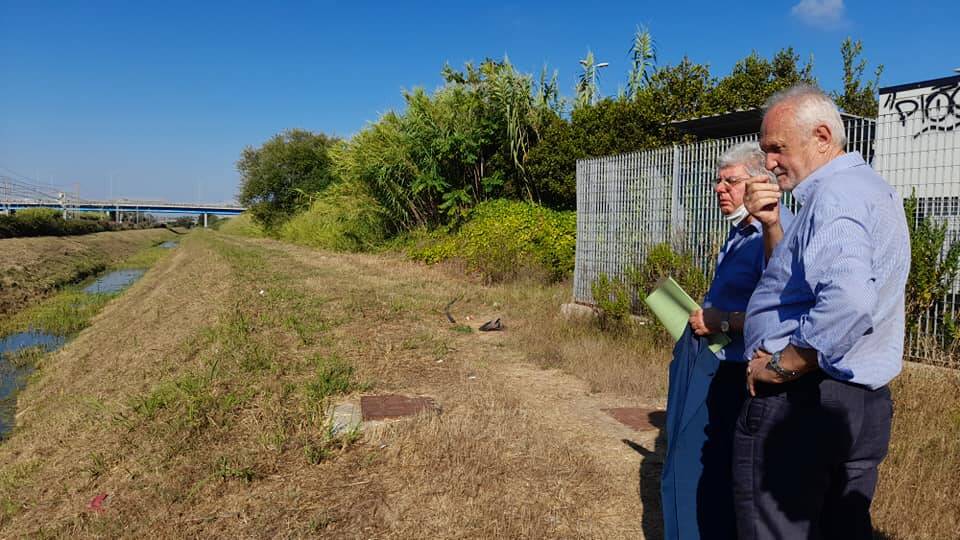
(564, 404)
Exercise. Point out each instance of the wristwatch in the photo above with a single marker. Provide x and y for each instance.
(774, 364)
(725, 323)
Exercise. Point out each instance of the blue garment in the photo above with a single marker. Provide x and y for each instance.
(835, 283)
(691, 372)
(739, 265)
(704, 399)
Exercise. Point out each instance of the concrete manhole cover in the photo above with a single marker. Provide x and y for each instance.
(394, 406)
(638, 418)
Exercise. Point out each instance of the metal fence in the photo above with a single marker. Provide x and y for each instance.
(630, 202)
(918, 153)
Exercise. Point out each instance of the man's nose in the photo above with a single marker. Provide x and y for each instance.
(771, 161)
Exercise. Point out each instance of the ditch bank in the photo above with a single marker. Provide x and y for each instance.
(33, 268)
(29, 335)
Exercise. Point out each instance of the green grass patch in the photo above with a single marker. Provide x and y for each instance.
(142, 259)
(63, 314)
(191, 401)
(28, 356)
(333, 376)
(231, 469)
(242, 225)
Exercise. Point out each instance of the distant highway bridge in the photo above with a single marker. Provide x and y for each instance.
(144, 207)
(23, 193)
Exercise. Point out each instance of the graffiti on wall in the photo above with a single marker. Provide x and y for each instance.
(937, 109)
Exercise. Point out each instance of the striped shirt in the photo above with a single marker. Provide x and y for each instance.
(835, 283)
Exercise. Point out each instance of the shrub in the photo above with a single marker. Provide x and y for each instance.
(242, 225)
(344, 217)
(933, 265)
(662, 261)
(47, 222)
(613, 302)
(505, 239)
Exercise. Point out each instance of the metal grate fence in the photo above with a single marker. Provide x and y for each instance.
(630, 202)
(918, 153)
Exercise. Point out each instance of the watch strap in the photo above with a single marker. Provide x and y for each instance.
(774, 364)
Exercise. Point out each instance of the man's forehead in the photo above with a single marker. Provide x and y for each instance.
(731, 170)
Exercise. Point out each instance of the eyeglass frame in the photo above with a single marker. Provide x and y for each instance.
(727, 181)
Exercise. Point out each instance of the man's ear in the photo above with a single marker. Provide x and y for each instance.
(824, 137)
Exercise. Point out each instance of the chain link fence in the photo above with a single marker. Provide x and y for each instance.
(628, 203)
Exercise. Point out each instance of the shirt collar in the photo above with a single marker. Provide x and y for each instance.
(808, 186)
(746, 229)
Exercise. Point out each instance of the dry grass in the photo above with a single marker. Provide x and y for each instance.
(35, 267)
(202, 414)
(198, 420)
(919, 491)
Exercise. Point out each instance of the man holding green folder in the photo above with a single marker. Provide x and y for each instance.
(708, 370)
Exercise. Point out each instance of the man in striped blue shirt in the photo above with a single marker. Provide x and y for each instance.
(823, 333)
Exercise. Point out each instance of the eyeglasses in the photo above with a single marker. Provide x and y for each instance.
(729, 182)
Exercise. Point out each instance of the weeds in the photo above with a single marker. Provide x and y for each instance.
(228, 469)
(613, 302)
(333, 377)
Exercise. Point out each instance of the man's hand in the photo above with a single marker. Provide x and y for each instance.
(762, 199)
(706, 321)
(792, 358)
(757, 371)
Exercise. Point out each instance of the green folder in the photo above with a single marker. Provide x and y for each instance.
(673, 306)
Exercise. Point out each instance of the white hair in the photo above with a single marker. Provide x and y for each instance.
(812, 108)
(747, 154)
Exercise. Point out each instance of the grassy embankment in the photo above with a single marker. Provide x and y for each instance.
(32, 268)
(205, 418)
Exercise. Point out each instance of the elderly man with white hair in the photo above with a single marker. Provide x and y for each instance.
(824, 331)
(706, 388)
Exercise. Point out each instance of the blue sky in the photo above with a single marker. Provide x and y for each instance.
(157, 99)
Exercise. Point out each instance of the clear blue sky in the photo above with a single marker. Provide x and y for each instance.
(161, 97)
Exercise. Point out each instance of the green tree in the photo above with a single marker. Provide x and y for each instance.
(275, 176)
(858, 97)
(679, 92)
(754, 79)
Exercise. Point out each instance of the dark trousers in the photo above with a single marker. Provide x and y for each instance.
(805, 459)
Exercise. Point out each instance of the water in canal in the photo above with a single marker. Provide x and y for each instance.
(114, 282)
(17, 349)
(14, 370)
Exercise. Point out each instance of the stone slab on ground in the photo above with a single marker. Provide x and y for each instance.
(345, 418)
(639, 418)
(394, 406)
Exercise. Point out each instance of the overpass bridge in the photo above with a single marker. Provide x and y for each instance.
(144, 207)
(20, 194)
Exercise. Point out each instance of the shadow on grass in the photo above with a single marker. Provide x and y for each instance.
(651, 467)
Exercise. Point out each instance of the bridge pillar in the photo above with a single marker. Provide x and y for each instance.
(204, 220)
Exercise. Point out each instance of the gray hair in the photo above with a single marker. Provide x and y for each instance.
(812, 108)
(747, 154)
